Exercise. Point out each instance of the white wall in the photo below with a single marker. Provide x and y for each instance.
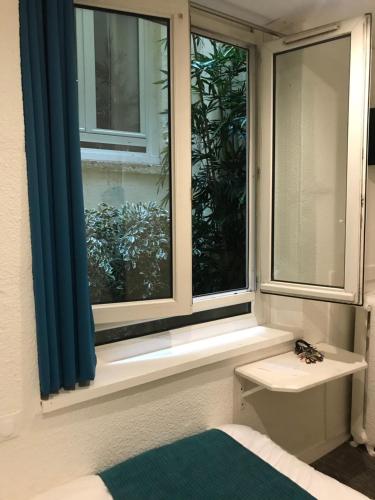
(55, 448)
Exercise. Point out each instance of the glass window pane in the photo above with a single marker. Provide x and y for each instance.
(310, 160)
(127, 189)
(117, 89)
(219, 163)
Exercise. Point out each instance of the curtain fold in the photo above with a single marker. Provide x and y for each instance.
(65, 331)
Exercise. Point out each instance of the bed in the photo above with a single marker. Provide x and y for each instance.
(305, 481)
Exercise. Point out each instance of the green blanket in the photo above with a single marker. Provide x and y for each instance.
(207, 466)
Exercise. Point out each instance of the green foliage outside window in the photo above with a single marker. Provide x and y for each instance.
(128, 252)
(219, 158)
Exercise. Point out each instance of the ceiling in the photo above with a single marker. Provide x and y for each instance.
(271, 10)
(265, 12)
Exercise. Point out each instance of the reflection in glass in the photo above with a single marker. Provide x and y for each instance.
(123, 72)
(310, 159)
(117, 88)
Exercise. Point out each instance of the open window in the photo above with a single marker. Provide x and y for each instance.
(134, 89)
(167, 144)
(313, 134)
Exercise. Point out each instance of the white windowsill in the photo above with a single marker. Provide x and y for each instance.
(115, 372)
(120, 157)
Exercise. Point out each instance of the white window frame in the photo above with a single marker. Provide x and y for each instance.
(110, 315)
(360, 31)
(177, 12)
(211, 26)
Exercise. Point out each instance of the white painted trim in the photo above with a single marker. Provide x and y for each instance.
(221, 29)
(121, 374)
(80, 68)
(359, 29)
(122, 158)
(156, 8)
(88, 65)
(144, 76)
(227, 33)
(252, 167)
(308, 291)
(206, 302)
(113, 137)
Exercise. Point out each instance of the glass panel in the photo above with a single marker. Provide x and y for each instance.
(219, 162)
(117, 89)
(127, 194)
(310, 159)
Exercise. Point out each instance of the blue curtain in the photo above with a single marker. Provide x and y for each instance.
(65, 331)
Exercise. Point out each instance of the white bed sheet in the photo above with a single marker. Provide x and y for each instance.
(317, 484)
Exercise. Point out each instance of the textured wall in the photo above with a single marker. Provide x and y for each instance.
(17, 330)
(55, 448)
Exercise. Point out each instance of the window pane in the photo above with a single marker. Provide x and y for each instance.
(117, 89)
(219, 128)
(311, 139)
(127, 189)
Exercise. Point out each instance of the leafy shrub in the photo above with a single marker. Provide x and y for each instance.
(219, 165)
(128, 252)
(219, 161)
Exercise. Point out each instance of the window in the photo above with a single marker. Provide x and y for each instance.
(314, 162)
(138, 222)
(128, 212)
(144, 264)
(172, 235)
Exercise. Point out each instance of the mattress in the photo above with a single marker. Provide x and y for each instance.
(317, 484)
